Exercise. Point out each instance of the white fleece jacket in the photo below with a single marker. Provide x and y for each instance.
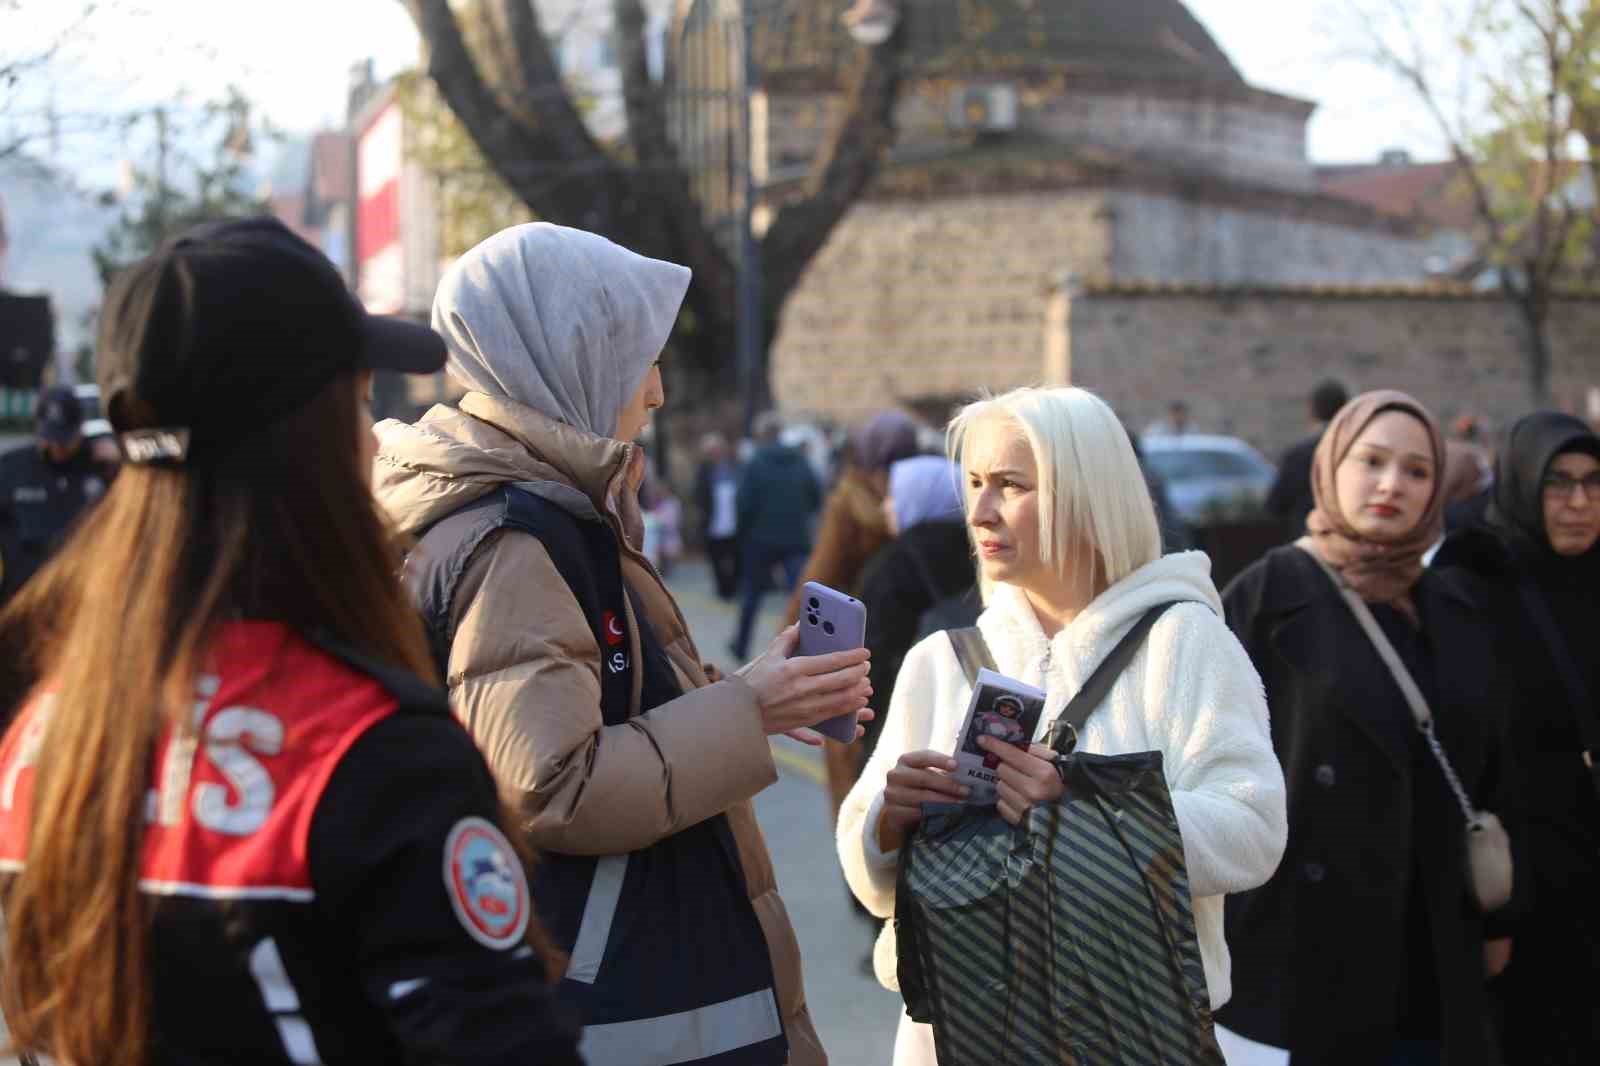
(1191, 693)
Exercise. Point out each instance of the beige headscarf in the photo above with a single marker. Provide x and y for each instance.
(1380, 572)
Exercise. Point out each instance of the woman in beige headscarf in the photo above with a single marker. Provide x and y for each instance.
(1364, 946)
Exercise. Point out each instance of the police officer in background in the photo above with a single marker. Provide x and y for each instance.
(44, 486)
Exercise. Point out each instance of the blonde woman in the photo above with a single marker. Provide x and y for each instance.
(1069, 559)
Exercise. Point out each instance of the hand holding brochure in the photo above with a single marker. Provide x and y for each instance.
(1003, 708)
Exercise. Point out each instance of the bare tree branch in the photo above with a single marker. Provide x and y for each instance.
(860, 141)
(662, 174)
(544, 96)
(640, 193)
(544, 133)
(1518, 165)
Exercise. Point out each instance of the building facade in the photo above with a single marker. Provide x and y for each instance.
(1089, 147)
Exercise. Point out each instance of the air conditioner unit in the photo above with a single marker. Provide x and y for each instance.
(984, 108)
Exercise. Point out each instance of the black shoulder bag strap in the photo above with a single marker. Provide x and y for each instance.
(1577, 691)
(972, 651)
(1063, 734)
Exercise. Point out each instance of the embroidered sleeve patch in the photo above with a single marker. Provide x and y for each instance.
(485, 883)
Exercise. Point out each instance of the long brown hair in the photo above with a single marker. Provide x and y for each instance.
(281, 526)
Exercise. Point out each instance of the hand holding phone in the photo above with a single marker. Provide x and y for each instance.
(796, 690)
(830, 622)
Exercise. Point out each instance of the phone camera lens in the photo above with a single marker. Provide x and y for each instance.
(815, 603)
(827, 627)
(813, 620)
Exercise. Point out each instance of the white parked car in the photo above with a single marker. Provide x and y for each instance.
(1205, 473)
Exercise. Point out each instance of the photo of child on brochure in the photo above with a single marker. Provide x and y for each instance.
(1001, 719)
(1002, 708)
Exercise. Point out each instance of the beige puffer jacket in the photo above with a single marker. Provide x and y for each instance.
(524, 669)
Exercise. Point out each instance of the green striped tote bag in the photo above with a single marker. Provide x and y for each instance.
(1067, 941)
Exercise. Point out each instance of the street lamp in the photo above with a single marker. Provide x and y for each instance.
(742, 14)
(870, 22)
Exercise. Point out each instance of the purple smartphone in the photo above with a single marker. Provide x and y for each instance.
(831, 621)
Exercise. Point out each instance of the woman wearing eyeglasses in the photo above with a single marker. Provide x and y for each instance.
(1534, 556)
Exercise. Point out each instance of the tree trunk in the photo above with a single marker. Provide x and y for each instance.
(534, 138)
(1534, 310)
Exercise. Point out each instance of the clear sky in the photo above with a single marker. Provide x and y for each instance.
(1303, 48)
(293, 58)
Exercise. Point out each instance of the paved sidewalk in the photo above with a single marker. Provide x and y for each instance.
(854, 1014)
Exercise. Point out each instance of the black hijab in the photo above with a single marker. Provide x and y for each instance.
(1517, 510)
(1570, 584)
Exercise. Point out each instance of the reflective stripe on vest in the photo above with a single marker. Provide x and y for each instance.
(594, 931)
(687, 1037)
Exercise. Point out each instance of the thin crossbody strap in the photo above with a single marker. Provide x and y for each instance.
(1402, 677)
(1098, 687)
(972, 652)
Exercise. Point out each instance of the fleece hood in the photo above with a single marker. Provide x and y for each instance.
(1184, 577)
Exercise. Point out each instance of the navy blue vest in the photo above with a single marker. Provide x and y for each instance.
(668, 960)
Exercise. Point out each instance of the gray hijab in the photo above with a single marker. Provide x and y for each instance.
(559, 320)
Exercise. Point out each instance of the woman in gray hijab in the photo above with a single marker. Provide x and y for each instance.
(569, 661)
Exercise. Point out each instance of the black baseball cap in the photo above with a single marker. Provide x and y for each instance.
(230, 327)
(58, 415)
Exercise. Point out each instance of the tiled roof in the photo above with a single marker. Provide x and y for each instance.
(1141, 39)
(1429, 191)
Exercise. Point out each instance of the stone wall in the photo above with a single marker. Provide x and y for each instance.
(914, 300)
(1256, 140)
(1251, 138)
(1245, 363)
(1172, 238)
(932, 300)
(911, 306)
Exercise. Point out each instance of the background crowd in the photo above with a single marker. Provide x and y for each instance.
(1325, 831)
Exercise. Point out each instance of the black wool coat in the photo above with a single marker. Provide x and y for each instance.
(908, 575)
(1550, 995)
(1319, 951)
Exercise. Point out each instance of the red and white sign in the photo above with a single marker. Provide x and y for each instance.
(380, 253)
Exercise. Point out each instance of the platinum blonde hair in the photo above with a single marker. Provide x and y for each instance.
(1091, 489)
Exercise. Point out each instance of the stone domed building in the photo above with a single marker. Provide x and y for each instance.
(1047, 149)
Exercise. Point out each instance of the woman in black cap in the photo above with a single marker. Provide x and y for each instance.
(1536, 558)
(237, 821)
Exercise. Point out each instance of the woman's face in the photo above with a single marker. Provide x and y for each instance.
(649, 396)
(1572, 503)
(1386, 480)
(1003, 506)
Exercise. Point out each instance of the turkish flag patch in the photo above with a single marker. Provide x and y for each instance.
(613, 627)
